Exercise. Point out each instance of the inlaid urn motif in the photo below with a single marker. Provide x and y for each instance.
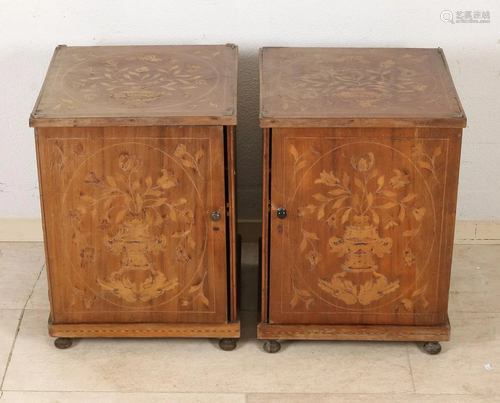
(360, 244)
(135, 242)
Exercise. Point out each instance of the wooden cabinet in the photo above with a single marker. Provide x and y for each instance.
(361, 163)
(135, 153)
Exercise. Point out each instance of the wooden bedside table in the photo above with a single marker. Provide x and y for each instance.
(135, 151)
(361, 163)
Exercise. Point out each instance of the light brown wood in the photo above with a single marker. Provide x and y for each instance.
(363, 239)
(105, 190)
(459, 122)
(233, 233)
(139, 221)
(118, 330)
(356, 332)
(366, 244)
(139, 85)
(306, 87)
(133, 121)
(264, 246)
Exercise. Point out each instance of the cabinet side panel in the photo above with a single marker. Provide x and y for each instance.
(127, 223)
(233, 233)
(39, 143)
(264, 252)
(450, 181)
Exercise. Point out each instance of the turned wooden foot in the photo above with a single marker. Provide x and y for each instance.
(228, 344)
(63, 342)
(432, 347)
(272, 346)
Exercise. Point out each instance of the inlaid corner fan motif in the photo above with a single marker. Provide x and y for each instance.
(133, 211)
(356, 207)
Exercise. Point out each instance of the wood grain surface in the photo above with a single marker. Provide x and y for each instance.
(127, 224)
(354, 332)
(365, 160)
(308, 87)
(143, 330)
(369, 229)
(139, 86)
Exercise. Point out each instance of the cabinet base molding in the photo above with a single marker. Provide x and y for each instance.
(147, 330)
(268, 331)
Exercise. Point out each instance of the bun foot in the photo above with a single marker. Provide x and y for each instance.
(63, 343)
(228, 344)
(272, 346)
(432, 347)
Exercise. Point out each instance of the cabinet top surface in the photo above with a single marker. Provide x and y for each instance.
(358, 87)
(139, 85)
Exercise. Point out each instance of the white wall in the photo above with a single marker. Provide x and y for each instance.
(29, 30)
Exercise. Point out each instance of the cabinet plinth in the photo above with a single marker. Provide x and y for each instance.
(135, 149)
(361, 164)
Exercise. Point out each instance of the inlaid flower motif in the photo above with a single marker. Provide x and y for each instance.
(140, 83)
(387, 63)
(407, 73)
(77, 214)
(130, 210)
(306, 211)
(161, 221)
(390, 223)
(77, 85)
(409, 257)
(192, 68)
(167, 180)
(79, 149)
(418, 213)
(180, 150)
(87, 256)
(314, 150)
(417, 150)
(90, 97)
(186, 216)
(104, 225)
(362, 211)
(90, 71)
(314, 257)
(331, 222)
(91, 178)
(335, 242)
(182, 255)
(362, 162)
(129, 163)
(111, 63)
(400, 179)
(328, 178)
(146, 58)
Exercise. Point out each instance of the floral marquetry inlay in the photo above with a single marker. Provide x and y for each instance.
(355, 219)
(139, 229)
(141, 81)
(342, 82)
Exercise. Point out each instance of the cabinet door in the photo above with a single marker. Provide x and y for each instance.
(368, 234)
(128, 229)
